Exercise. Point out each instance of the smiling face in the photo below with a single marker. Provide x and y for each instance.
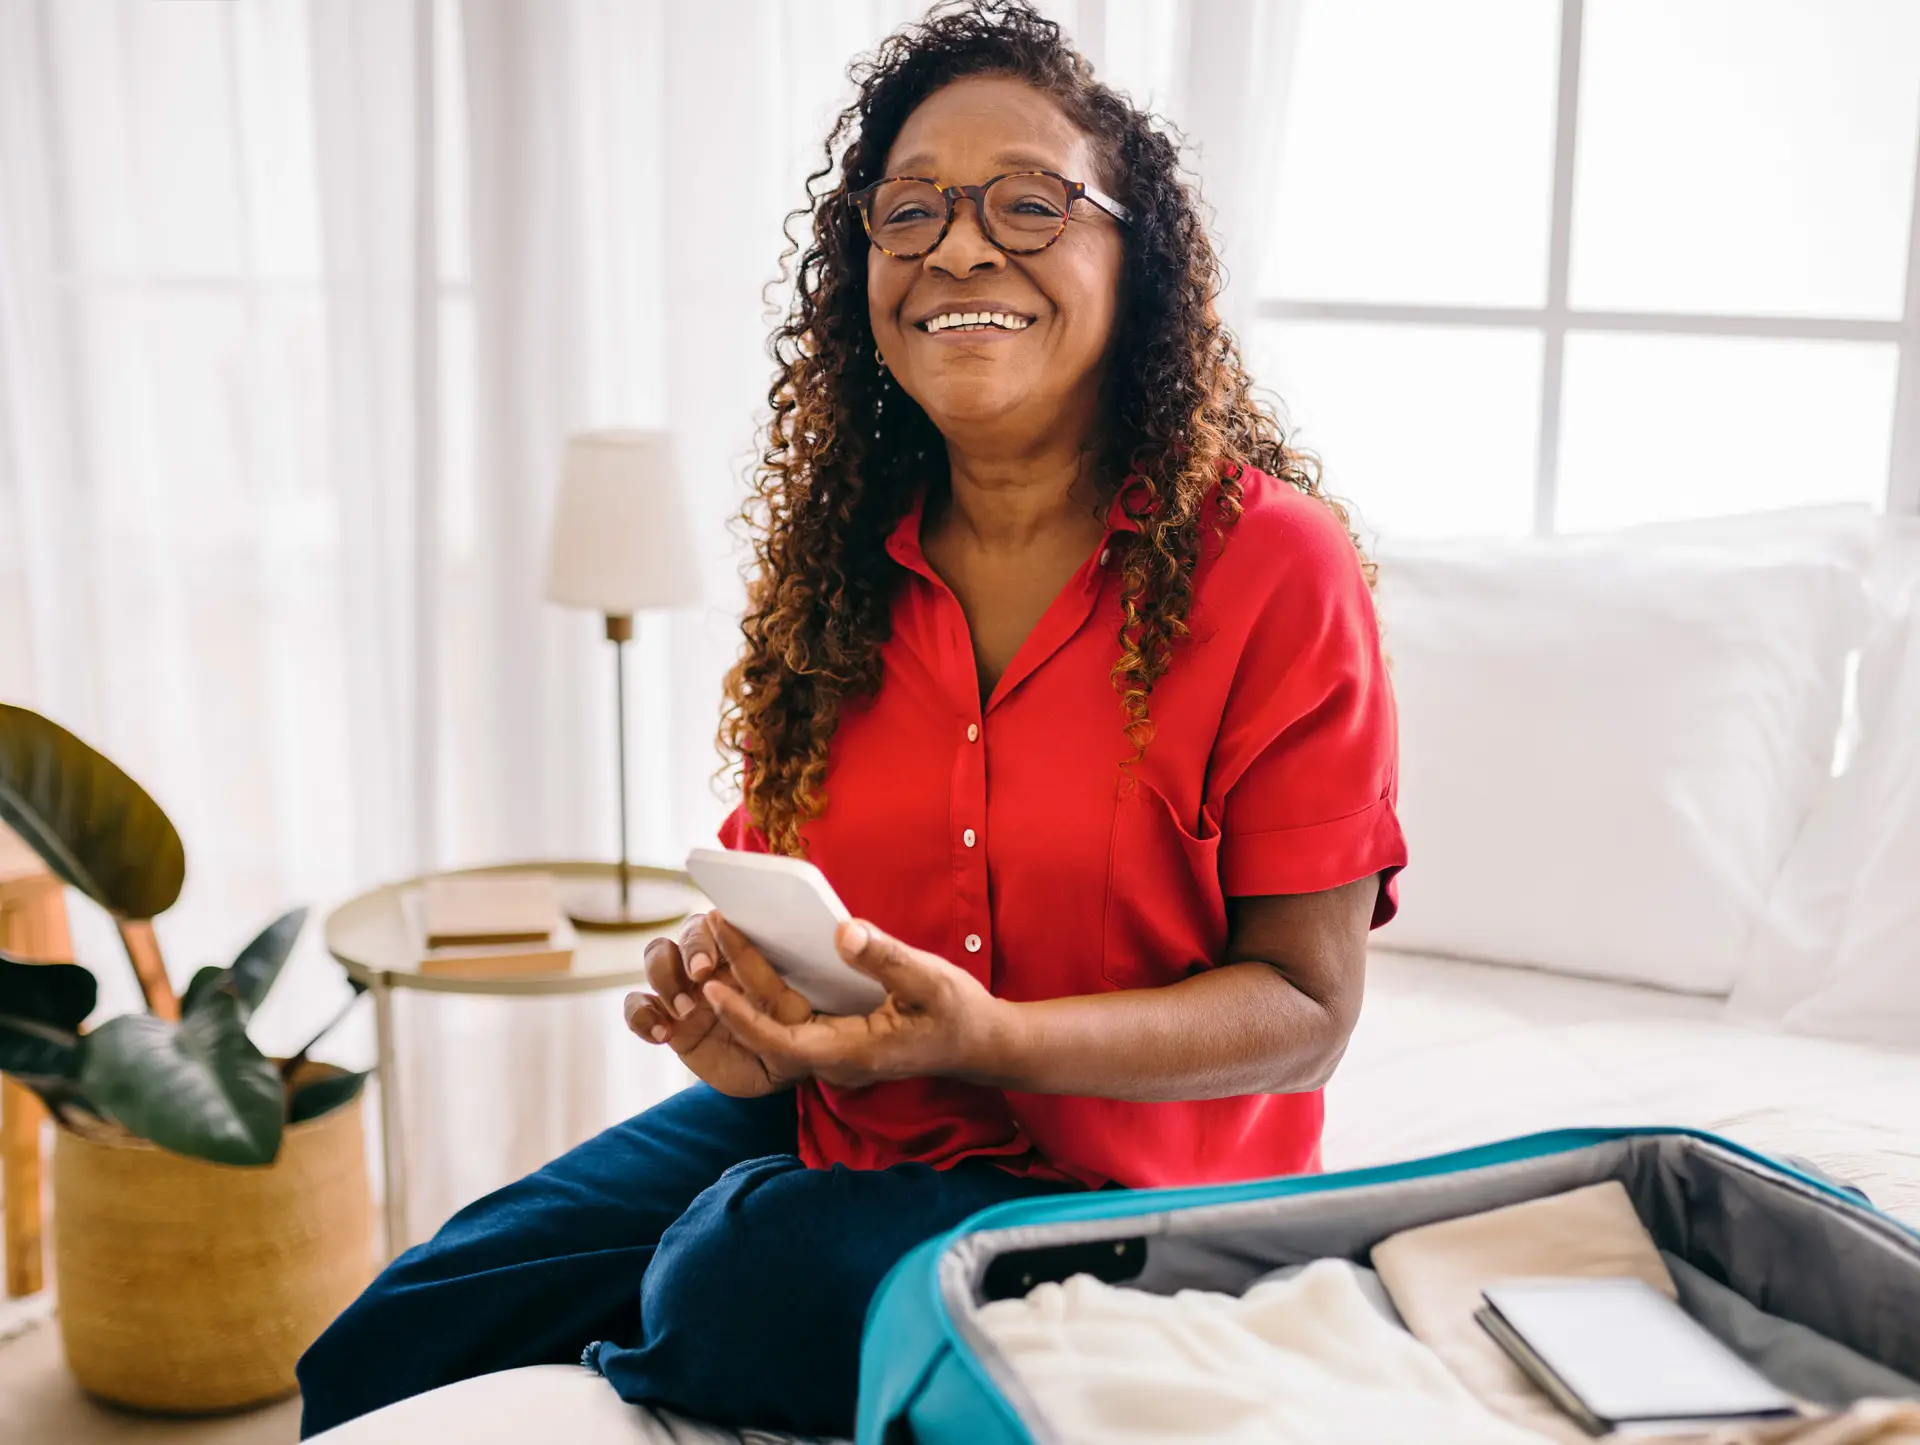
(1003, 352)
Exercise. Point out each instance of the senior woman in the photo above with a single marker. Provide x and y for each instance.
(1062, 669)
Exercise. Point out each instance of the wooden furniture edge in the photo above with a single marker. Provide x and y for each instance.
(33, 925)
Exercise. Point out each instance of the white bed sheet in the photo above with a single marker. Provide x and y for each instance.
(1450, 1053)
(537, 1405)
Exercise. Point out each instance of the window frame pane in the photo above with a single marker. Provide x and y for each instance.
(1556, 318)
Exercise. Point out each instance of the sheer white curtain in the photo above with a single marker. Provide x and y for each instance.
(297, 302)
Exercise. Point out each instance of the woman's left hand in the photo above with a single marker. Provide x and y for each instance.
(938, 1020)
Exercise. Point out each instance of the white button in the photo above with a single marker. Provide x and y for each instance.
(973, 733)
(1105, 552)
(973, 943)
(967, 837)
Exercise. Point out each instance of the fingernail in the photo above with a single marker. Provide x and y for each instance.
(659, 1034)
(698, 965)
(682, 1005)
(630, 1005)
(857, 936)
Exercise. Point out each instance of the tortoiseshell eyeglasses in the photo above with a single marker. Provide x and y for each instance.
(1021, 213)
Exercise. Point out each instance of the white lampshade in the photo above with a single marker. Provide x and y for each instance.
(621, 543)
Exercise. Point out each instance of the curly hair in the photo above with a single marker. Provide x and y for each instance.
(847, 451)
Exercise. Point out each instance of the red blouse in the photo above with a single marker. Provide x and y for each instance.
(1008, 839)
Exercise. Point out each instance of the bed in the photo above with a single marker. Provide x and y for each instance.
(1448, 1054)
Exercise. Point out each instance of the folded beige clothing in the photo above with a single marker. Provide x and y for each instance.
(1435, 1274)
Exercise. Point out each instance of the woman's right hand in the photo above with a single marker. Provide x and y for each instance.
(676, 1012)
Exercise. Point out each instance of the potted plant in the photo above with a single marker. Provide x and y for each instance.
(210, 1204)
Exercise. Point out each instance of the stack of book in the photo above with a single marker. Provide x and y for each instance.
(489, 925)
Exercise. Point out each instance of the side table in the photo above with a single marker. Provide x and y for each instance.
(369, 937)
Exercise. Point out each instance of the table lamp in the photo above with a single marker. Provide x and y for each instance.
(621, 545)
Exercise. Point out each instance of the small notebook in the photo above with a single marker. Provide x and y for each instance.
(489, 908)
(1618, 1354)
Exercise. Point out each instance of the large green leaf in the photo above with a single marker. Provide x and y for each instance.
(42, 1006)
(292, 1065)
(322, 1095)
(61, 994)
(30, 1049)
(260, 962)
(198, 1087)
(61, 1094)
(207, 981)
(41, 1058)
(90, 823)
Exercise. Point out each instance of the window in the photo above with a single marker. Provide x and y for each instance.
(1570, 264)
(205, 520)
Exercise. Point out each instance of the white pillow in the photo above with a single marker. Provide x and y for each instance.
(1608, 746)
(1849, 533)
(1840, 952)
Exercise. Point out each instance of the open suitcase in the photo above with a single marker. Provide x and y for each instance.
(1792, 1244)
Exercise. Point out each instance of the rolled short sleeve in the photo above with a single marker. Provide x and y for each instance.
(1306, 761)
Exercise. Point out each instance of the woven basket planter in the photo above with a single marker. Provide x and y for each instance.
(191, 1288)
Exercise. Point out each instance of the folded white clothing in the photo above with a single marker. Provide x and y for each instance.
(1304, 1359)
(1369, 1282)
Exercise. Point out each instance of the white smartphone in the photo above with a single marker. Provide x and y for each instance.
(789, 911)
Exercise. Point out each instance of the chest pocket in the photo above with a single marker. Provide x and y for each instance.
(1166, 915)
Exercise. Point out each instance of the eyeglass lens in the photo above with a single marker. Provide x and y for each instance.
(1022, 213)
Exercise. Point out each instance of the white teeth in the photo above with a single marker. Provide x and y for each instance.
(949, 320)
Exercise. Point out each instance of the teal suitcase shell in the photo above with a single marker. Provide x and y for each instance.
(1792, 1243)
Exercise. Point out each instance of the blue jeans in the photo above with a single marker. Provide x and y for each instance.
(687, 1255)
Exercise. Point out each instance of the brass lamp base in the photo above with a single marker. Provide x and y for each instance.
(627, 904)
(648, 905)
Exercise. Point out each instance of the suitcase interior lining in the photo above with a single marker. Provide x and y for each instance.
(1789, 1248)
